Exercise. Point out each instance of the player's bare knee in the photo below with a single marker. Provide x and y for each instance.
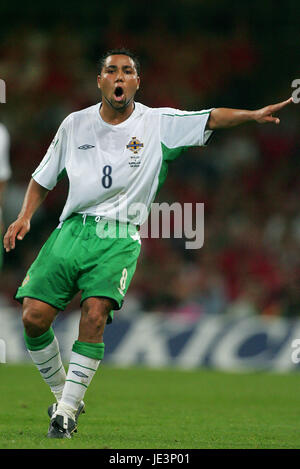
(34, 321)
(95, 317)
(95, 314)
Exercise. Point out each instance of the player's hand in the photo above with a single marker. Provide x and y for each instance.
(18, 230)
(264, 115)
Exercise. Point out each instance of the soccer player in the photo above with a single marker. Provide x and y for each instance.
(5, 173)
(115, 155)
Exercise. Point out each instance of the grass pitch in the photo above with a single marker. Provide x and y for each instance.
(140, 408)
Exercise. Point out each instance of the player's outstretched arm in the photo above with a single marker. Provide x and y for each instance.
(34, 196)
(225, 117)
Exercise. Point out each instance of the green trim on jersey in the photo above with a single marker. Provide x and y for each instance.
(62, 174)
(40, 168)
(168, 155)
(188, 115)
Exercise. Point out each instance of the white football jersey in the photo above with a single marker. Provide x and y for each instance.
(5, 171)
(115, 171)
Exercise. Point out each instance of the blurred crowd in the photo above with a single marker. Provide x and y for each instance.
(247, 177)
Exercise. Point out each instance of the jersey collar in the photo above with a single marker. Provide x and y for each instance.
(122, 124)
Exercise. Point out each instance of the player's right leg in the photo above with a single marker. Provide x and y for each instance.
(48, 287)
(42, 344)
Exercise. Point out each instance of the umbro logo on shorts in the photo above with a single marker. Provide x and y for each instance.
(86, 147)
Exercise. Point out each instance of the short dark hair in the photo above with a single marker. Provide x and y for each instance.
(120, 51)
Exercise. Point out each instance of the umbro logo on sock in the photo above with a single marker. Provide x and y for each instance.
(86, 147)
(79, 373)
(45, 370)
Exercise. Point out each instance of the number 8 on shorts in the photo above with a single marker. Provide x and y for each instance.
(123, 281)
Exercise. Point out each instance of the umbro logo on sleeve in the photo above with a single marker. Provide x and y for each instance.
(86, 147)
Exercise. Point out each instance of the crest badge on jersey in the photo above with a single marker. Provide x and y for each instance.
(135, 146)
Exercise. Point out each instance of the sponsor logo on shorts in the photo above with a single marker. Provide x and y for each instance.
(26, 280)
(136, 237)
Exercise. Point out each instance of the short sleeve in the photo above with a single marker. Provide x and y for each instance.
(52, 165)
(5, 170)
(184, 128)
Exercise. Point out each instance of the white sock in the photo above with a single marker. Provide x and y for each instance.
(80, 374)
(49, 364)
(65, 409)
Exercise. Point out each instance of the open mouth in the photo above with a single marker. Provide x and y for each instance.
(119, 93)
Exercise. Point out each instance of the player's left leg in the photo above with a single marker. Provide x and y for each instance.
(87, 353)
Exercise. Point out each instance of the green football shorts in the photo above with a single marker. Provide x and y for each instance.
(86, 254)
